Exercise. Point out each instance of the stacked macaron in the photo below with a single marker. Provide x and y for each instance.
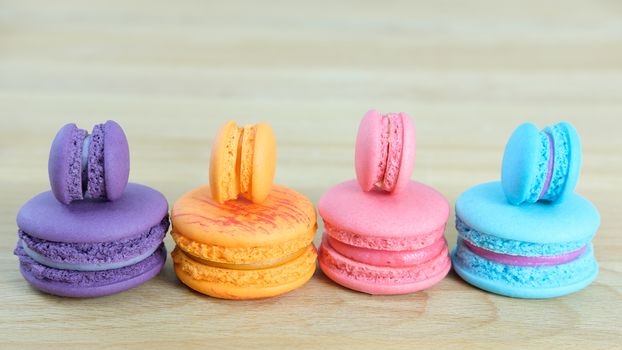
(529, 235)
(93, 234)
(384, 234)
(242, 237)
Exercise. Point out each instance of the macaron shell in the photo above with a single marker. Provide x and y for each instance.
(223, 179)
(374, 217)
(520, 163)
(245, 284)
(242, 232)
(484, 208)
(574, 169)
(245, 159)
(113, 286)
(526, 282)
(407, 162)
(400, 258)
(61, 175)
(264, 163)
(382, 280)
(116, 160)
(370, 150)
(139, 209)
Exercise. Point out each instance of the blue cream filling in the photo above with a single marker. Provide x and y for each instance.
(513, 247)
(574, 271)
(86, 267)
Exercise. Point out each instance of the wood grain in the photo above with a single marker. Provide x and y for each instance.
(172, 72)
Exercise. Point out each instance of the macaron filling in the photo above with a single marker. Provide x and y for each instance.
(90, 278)
(406, 242)
(514, 247)
(85, 267)
(551, 163)
(517, 260)
(245, 158)
(254, 266)
(86, 144)
(391, 151)
(92, 255)
(401, 258)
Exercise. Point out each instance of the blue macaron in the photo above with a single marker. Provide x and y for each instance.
(541, 165)
(534, 250)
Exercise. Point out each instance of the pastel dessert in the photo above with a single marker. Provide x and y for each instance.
(541, 165)
(533, 250)
(91, 166)
(92, 248)
(384, 244)
(243, 162)
(385, 151)
(243, 250)
(384, 232)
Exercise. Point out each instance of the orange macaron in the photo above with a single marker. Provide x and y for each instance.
(243, 237)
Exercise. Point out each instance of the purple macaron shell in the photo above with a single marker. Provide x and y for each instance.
(101, 252)
(65, 163)
(107, 167)
(138, 210)
(116, 160)
(81, 284)
(96, 183)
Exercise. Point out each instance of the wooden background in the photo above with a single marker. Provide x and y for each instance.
(172, 72)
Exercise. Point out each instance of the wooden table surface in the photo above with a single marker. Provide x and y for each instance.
(172, 72)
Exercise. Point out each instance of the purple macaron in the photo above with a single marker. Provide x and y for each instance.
(92, 248)
(91, 166)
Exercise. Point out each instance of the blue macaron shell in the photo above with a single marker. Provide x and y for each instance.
(574, 156)
(484, 209)
(524, 161)
(525, 281)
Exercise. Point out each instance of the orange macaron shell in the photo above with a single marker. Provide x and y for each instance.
(243, 283)
(243, 250)
(243, 162)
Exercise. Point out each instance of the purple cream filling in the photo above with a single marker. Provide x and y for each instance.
(549, 174)
(99, 253)
(516, 260)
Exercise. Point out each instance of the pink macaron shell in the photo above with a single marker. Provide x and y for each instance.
(394, 156)
(382, 280)
(370, 153)
(409, 221)
(407, 159)
(402, 258)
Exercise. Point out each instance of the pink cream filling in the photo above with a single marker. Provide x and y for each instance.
(549, 173)
(403, 258)
(517, 260)
(391, 156)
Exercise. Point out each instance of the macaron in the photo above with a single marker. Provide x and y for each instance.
(92, 248)
(384, 244)
(385, 151)
(535, 250)
(541, 165)
(243, 162)
(92, 166)
(242, 250)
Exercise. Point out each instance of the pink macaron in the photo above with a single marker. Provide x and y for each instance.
(385, 151)
(384, 244)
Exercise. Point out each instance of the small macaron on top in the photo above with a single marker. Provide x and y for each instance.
(385, 151)
(93, 234)
(384, 233)
(93, 166)
(541, 165)
(529, 236)
(243, 162)
(242, 237)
